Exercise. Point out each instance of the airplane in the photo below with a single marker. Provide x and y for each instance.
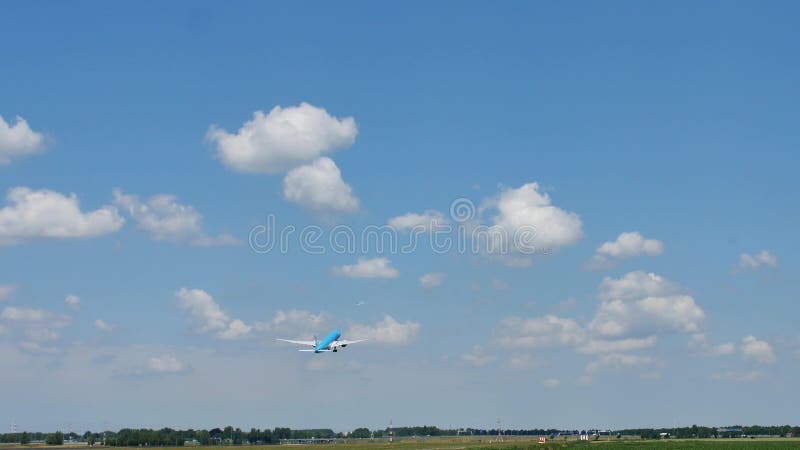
(331, 343)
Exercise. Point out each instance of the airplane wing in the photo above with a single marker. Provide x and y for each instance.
(314, 350)
(350, 342)
(309, 343)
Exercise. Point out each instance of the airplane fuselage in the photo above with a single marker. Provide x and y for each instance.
(325, 344)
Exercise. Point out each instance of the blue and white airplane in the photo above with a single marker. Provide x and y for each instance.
(331, 343)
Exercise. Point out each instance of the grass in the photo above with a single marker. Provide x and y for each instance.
(515, 443)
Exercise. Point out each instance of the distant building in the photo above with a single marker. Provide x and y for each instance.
(729, 432)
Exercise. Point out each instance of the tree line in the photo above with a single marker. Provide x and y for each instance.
(701, 432)
(131, 437)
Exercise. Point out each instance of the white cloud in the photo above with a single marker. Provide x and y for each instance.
(46, 214)
(18, 140)
(318, 187)
(282, 139)
(431, 280)
(701, 347)
(638, 309)
(236, 330)
(425, 222)
(500, 285)
(42, 334)
(295, 323)
(296, 320)
(620, 361)
(553, 331)
(627, 245)
(551, 383)
(546, 331)
(166, 364)
(755, 262)
(6, 290)
(757, 351)
(636, 285)
(386, 331)
(531, 223)
(37, 325)
(21, 314)
(644, 304)
(746, 377)
(478, 356)
(73, 301)
(209, 316)
(103, 326)
(647, 316)
(618, 345)
(167, 220)
(522, 361)
(368, 268)
(35, 347)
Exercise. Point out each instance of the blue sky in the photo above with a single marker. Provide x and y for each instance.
(673, 123)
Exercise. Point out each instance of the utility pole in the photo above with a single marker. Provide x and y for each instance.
(499, 433)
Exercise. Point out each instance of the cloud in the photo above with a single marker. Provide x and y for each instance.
(36, 325)
(6, 290)
(730, 375)
(209, 317)
(546, 331)
(755, 262)
(236, 330)
(21, 314)
(757, 351)
(649, 315)
(18, 140)
(618, 345)
(167, 220)
(618, 361)
(551, 383)
(701, 347)
(529, 222)
(522, 361)
(553, 331)
(635, 285)
(283, 139)
(387, 331)
(478, 357)
(103, 326)
(627, 245)
(368, 268)
(432, 280)
(500, 285)
(425, 222)
(318, 187)
(647, 307)
(295, 321)
(32, 214)
(166, 364)
(73, 301)
(37, 348)
(42, 334)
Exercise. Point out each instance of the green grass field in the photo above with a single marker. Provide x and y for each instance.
(521, 443)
